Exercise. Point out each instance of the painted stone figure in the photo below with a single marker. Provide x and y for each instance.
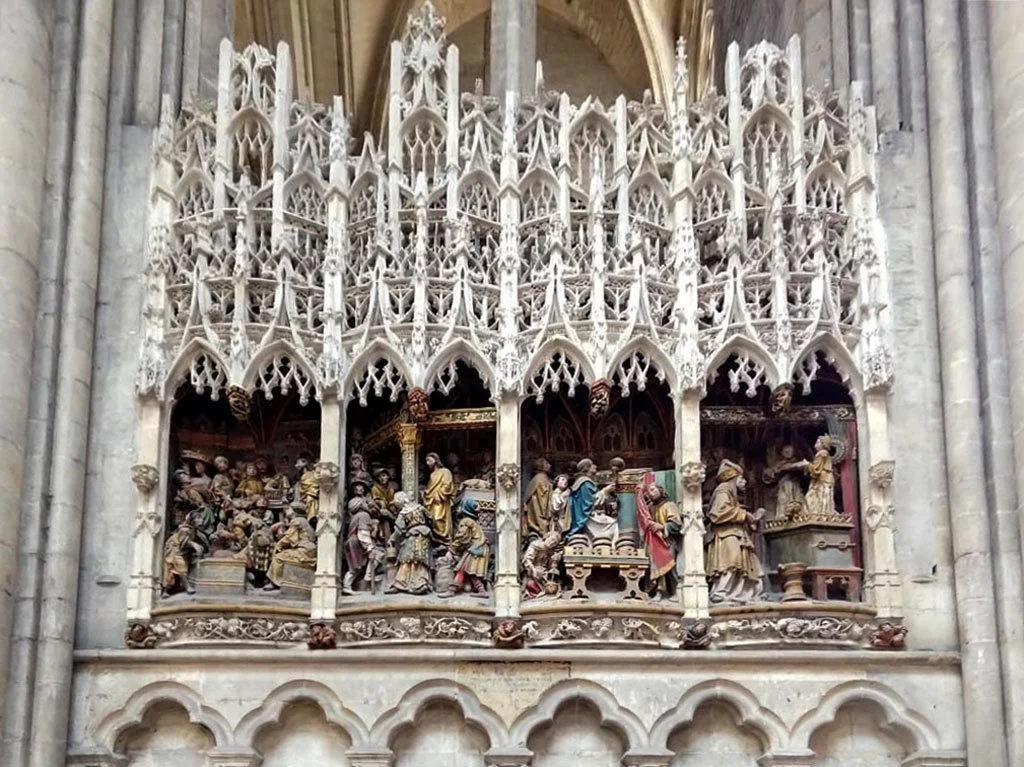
(223, 486)
(180, 550)
(411, 540)
(485, 479)
(560, 513)
(821, 498)
(733, 570)
(308, 490)
(470, 546)
(383, 495)
(250, 485)
(537, 510)
(660, 525)
(787, 471)
(438, 498)
(362, 554)
(297, 547)
(540, 565)
(357, 469)
(583, 496)
(276, 487)
(603, 522)
(259, 550)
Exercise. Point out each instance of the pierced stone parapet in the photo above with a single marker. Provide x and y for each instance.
(282, 251)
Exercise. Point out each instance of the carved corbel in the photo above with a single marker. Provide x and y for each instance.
(419, 404)
(321, 637)
(148, 517)
(146, 478)
(327, 475)
(139, 636)
(508, 634)
(508, 476)
(693, 476)
(889, 636)
(882, 473)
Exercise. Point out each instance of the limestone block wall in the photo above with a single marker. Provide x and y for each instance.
(550, 709)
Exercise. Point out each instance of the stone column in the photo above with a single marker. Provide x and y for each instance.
(146, 573)
(513, 53)
(324, 597)
(1007, 115)
(506, 558)
(881, 573)
(885, 67)
(24, 85)
(983, 705)
(409, 440)
(995, 388)
(693, 585)
(73, 392)
(860, 41)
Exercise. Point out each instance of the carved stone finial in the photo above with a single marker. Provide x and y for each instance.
(327, 474)
(145, 477)
(508, 475)
(693, 476)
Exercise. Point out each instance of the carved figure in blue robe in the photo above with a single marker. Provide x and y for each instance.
(583, 495)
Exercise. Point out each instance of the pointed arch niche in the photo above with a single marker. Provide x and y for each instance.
(242, 497)
(797, 444)
(434, 445)
(601, 438)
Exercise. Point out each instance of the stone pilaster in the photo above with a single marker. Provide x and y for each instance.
(506, 586)
(513, 48)
(693, 585)
(73, 391)
(995, 388)
(983, 699)
(24, 84)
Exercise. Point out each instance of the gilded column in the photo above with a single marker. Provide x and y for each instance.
(409, 440)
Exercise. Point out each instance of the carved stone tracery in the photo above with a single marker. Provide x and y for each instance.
(550, 246)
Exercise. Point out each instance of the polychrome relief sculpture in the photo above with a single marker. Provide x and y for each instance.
(687, 263)
(734, 571)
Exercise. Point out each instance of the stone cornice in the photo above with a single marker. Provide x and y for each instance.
(810, 660)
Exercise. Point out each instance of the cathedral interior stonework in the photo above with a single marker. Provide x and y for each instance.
(512, 382)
